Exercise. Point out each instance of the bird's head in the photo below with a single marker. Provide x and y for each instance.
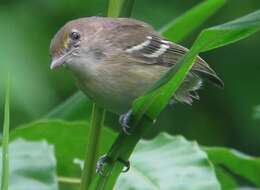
(82, 43)
(72, 44)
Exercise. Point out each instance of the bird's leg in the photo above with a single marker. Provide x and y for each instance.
(105, 159)
(124, 121)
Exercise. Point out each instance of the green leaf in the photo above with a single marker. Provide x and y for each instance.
(180, 28)
(32, 166)
(68, 138)
(228, 33)
(236, 162)
(226, 180)
(78, 106)
(154, 102)
(5, 151)
(168, 162)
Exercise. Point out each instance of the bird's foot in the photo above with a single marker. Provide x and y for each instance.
(124, 121)
(100, 164)
(105, 159)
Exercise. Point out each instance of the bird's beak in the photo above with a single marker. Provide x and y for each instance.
(58, 61)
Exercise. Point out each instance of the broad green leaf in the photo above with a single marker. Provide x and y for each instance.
(68, 138)
(154, 102)
(180, 28)
(169, 162)
(236, 162)
(32, 166)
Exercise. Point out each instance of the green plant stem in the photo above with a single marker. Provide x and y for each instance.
(116, 8)
(121, 148)
(5, 154)
(120, 8)
(97, 121)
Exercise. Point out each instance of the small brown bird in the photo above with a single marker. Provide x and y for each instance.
(115, 60)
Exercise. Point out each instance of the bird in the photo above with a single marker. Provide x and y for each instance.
(116, 60)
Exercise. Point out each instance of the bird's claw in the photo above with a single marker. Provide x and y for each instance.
(104, 159)
(100, 164)
(124, 121)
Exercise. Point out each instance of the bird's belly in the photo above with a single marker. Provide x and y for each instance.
(116, 91)
(114, 96)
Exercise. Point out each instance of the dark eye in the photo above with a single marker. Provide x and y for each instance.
(75, 36)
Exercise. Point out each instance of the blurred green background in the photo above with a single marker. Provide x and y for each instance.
(222, 117)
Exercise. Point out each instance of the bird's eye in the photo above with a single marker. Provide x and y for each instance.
(75, 36)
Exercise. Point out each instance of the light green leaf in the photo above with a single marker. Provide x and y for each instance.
(238, 163)
(32, 166)
(68, 138)
(180, 28)
(168, 162)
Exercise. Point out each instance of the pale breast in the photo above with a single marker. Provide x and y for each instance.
(116, 86)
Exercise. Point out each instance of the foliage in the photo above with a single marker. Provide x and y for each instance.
(164, 162)
(68, 138)
(174, 153)
(168, 162)
(235, 164)
(32, 166)
(179, 28)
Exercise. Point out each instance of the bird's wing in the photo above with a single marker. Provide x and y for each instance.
(153, 49)
(144, 45)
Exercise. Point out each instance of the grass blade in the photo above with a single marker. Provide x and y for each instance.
(5, 154)
(228, 33)
(180, 28)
